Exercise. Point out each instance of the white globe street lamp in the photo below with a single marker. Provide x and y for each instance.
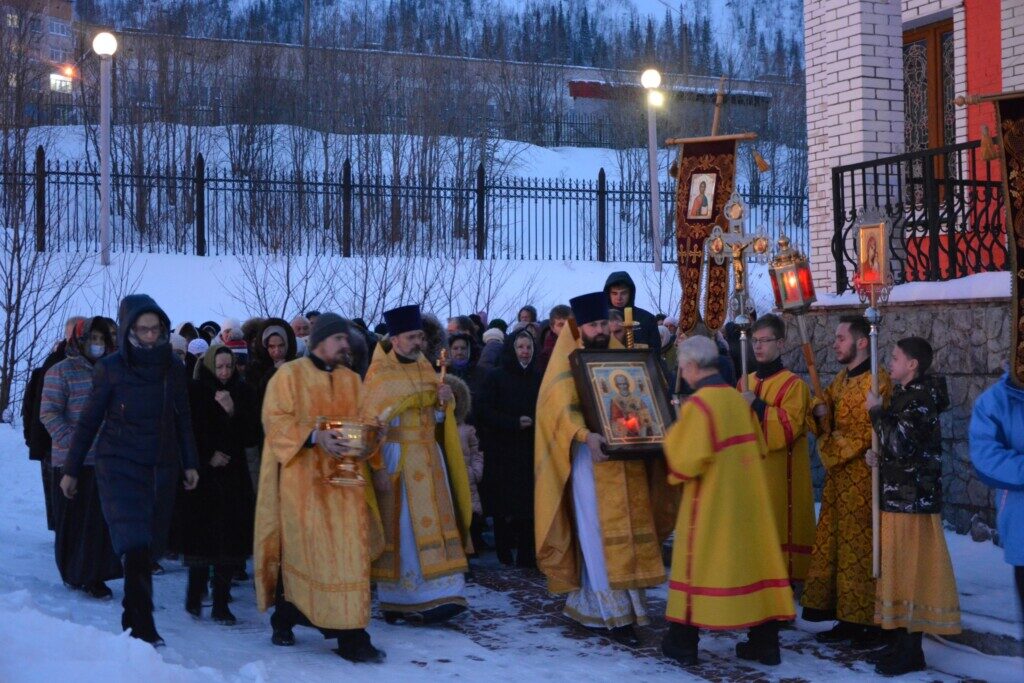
(104, 44)
(650, 80)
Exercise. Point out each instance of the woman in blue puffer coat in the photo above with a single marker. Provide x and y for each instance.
(139, 407)
(997, 451)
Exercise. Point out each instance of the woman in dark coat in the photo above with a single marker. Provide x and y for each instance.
(215, 519)
(508, 405)
(139, 407)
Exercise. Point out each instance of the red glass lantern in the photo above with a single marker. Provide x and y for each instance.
(791, 278)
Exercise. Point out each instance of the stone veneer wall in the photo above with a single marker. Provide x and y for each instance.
(971, 342)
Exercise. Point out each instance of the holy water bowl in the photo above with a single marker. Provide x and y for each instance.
(360, 438)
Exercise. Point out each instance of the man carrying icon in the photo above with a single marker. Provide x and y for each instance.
(597, 535)
(314, 542)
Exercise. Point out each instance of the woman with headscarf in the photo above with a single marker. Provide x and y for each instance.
(216, 519)
(506, 412)
(85, 557)
(138, 406)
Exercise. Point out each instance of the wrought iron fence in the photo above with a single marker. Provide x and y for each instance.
(946, 207)
(213, 212)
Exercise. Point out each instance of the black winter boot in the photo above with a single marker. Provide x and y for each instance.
(355, 646)
(843, 630)
(680, 643)
(222, 594)
(907, 657)
(762, 645)
(197, 577)
(138, 597)
(879, 656)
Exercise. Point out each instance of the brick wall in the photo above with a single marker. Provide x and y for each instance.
(1013, 44)
(854, 101)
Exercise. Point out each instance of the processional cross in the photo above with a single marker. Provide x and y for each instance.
(734, 245)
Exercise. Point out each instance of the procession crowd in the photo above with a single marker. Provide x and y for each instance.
(214, 444)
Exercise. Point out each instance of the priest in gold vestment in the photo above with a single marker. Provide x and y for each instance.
(425, 500)
(597, 534)
(314, 542)
(839, 582)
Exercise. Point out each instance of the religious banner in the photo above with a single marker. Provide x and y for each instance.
(705, 178)
(1010, 113)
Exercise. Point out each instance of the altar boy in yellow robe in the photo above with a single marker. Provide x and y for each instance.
(425, 500)
(596, 532)
(727, 567)
(313, 541)
(782, 403)
(839, 581)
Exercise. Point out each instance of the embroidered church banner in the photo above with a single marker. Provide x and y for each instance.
(1011, 132)
(705, 180)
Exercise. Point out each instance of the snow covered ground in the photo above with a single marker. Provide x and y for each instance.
(48, 633)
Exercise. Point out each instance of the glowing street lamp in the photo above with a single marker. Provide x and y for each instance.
(105, 45)
(650, 80)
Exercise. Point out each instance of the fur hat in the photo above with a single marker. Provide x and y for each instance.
(463, 399)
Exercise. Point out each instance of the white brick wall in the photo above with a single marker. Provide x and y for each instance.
(1013, 44)
(854, 57)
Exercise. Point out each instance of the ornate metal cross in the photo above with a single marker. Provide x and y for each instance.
(733, 245)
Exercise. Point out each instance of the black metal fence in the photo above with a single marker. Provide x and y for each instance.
(212, 212)
(946, 206)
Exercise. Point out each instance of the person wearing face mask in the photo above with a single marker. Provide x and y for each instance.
(215, 520)
(507, 411)
(138, 407)
(420, 573)
(85, 557)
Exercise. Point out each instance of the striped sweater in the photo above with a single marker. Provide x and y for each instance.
(66, 389)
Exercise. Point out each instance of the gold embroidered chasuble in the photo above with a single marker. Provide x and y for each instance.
(440, 522)
(635, 506)
(320, 539)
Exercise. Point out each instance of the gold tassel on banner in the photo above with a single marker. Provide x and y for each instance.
(988, 145)
(762, 165)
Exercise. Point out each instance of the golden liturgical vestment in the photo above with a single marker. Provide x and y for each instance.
(407, 392)
(787, 468)
(839, 584)
(716, 450)
(319, 538)
(635, 507)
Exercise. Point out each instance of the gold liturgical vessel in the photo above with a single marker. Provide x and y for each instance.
(360, 438)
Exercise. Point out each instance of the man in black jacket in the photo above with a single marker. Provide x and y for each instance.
(139, 408)
(621, 295)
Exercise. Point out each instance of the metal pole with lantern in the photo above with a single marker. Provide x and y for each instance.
(105, 45)
(873, 283)
(793, 286)
(650, 80)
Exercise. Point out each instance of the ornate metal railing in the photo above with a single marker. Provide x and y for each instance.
(946, 206)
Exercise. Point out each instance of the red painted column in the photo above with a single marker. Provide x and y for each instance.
(984, 60)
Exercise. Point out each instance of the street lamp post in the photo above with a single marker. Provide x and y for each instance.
(650, 80)
(105, 45)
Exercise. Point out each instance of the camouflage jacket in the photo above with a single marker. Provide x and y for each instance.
(910, 438)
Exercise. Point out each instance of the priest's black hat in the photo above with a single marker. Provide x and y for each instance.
(588, 308)
(403, 319)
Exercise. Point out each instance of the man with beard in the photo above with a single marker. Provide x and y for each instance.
(621, 294)
(314, 542)
(782, 403)
(839, 582)
(582, 510)
(425, 499)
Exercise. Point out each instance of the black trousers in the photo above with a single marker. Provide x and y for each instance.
(515, 533)
(1018, 575)
(287, 616)
(48, 485)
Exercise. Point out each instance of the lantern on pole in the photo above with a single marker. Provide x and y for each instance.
(793, 285)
